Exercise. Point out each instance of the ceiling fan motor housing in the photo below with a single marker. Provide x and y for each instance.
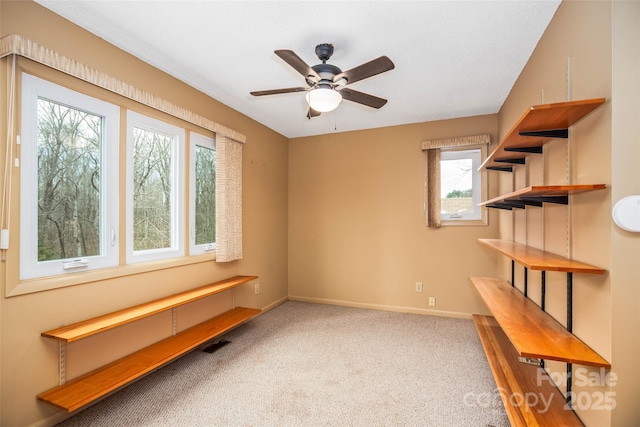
(326, 72)
(324, 51)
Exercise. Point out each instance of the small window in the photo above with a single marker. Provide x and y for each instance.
(69, 208)
(202, 201)
(460, 185)
(155, 203)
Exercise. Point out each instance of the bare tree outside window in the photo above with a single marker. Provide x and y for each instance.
(152, 178)
(69, 158)
(205, 195)
(456, 178)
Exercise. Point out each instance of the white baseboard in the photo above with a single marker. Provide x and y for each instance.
(52, 420)
(274, 304)
(412, 310)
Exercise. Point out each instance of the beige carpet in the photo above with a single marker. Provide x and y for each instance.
(304, 364)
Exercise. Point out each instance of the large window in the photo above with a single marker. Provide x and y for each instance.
(69, 192)
(202, 202)
(102, 187)
(155, 188)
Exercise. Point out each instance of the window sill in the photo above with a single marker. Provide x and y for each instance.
(48, 283)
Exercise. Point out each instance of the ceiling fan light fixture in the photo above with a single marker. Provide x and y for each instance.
(323, 99)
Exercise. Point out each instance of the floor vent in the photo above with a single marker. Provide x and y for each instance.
(216, 346)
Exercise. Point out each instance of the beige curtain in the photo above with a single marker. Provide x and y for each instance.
(432, 148)
(433, 188)
(228, 199)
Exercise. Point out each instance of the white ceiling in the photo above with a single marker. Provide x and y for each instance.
(452, 58)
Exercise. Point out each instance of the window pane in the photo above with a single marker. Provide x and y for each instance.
(456, 186)
(152, 179)
(460, 188)
(69, 202)
(205, 195)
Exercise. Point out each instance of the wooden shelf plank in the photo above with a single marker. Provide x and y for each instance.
(531, 331)
(105, 322)
(544, 191)
(516, 380)
(561, 115)
(96, 384)
(536, 259)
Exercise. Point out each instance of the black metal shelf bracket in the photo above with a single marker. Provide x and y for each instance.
(515, 161)
(519, 204)
(513, 273)
(543, 289)
(559, 200)
(500, 206)
(530, 150)
(570, 329)
(570, 302)
(500, 168)
(547, 133)
(513, 203)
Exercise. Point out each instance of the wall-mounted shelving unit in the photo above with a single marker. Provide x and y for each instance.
(536, 195)
(539, 125)
(532, 332)
(536, 259)
(519, 326)
(87, 388)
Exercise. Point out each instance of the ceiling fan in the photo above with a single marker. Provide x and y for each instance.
(326, 83)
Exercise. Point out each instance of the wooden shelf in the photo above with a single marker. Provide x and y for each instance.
(532, 332)
(536, 259)
(96, 384)
(517, 380)
(537, 194)
(514, 148)
(99, 324)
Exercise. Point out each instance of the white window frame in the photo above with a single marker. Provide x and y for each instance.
(195, 140)
(34, 88)
(176, 248)
(479, 186)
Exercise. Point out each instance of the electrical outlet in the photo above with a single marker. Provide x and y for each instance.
(418, 286)
(257, 288)
(432, 301)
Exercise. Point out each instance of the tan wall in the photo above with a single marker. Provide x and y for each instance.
(28, 361)
(625, 181)
(357, 232)
(581, 34)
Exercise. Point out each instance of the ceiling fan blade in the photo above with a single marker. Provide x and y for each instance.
(362, 98)
(298, 64)
(312, 113)
(366, 70)
(277, 91)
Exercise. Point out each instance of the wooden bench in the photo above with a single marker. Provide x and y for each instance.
(87, 388)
